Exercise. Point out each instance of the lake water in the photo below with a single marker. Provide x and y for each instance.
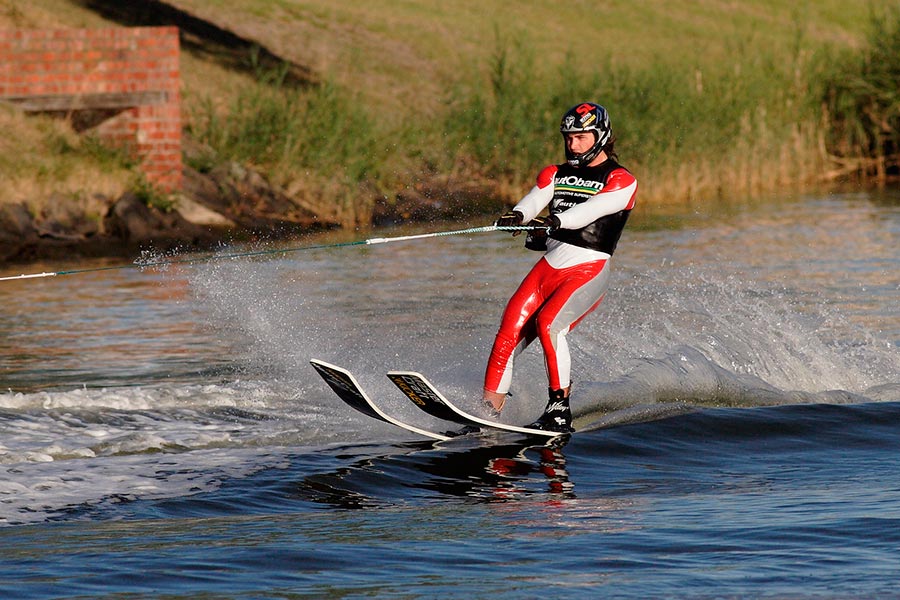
(163, 435)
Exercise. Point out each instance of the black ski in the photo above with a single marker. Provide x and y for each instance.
(348, 389)
(425, 396)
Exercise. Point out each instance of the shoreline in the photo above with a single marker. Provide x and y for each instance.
(231, 203)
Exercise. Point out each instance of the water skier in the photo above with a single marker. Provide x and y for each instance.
(589, 197)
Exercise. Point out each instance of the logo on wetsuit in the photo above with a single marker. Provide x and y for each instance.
(569, 190)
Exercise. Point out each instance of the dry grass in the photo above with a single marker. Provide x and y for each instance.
(34, 14)
(401, 56)
(405, 61)
(42, 158)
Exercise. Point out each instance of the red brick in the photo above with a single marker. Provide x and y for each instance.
(86, 61)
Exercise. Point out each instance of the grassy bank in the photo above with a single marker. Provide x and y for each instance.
(43, 161)
(710, 100)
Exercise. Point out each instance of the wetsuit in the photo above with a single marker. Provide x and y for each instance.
(569, 281)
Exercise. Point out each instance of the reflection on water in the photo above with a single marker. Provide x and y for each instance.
(106, 328)
(834, 259)
(773, 305)
(168, 425)
(482, 468)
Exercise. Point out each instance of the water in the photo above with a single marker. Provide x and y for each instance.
(162, 434)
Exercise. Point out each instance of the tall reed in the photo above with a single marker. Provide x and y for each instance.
(861, 93)
(318, 143)
(728, 131)
(747, 123)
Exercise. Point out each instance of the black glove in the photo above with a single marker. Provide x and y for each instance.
(550, 222)
(537, 237)
(511, 219)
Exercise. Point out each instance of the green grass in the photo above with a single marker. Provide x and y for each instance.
(709, 99)
(321, 139)
(861, 92)
(41, 157)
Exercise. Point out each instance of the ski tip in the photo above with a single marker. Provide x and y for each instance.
(321, 365)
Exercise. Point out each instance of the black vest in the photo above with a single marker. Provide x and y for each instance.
(574, 185)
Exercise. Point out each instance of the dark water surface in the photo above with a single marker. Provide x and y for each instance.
(162, 434)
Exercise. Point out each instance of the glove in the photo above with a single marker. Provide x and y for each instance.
(550, 222)
(511, 219)
(537, 237)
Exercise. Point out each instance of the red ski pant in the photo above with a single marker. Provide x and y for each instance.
(548, 304)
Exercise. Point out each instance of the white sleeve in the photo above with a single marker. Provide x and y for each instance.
(534, 202)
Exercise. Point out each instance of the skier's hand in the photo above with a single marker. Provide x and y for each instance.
(550, 223)
(511, 219)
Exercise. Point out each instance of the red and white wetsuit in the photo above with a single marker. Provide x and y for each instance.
(569, 281)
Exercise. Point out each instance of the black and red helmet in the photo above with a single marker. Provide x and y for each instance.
(583, 117)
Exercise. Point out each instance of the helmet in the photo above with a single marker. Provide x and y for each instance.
(586, 117)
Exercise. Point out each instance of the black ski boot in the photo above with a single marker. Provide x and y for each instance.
(557, 416)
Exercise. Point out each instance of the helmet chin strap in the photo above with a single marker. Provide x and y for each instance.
(585, 158)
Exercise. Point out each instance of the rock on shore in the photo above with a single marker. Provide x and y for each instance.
(229, 203)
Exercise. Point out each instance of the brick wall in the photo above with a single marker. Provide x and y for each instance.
(135, 71)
